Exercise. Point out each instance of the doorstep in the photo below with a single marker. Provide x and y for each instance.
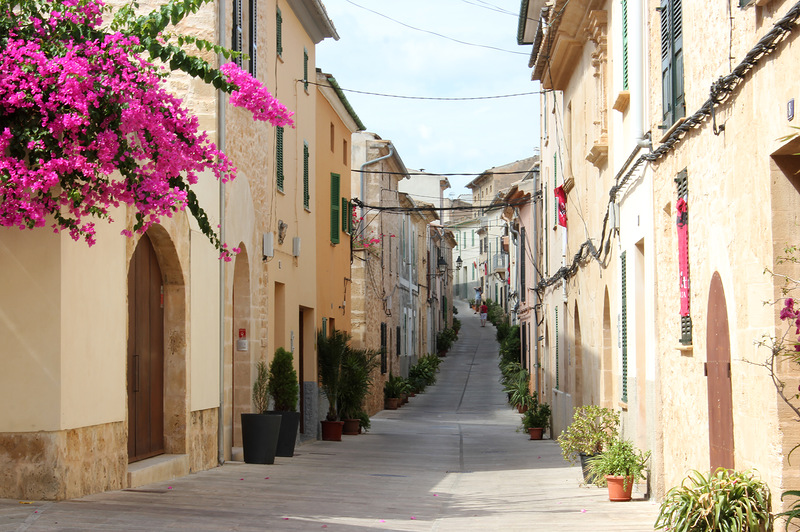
(157, 469)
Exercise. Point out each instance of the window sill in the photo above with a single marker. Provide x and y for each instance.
(622, 102)
(623, 405)
(672, 128)
(686, 350)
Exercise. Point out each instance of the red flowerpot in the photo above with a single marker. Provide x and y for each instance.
(522, 408)
(619, 488)
(332, 430)
(536, 433)
(350, 427)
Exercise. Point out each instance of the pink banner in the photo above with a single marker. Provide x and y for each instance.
(562, 205)
(683, 253)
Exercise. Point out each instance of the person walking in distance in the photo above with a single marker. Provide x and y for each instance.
(484, 313)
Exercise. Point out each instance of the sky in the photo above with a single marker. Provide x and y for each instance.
(378, 55)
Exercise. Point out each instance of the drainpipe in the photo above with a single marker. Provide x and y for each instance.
(519, 258)
(363, 180)
(636, 72)
(221, 147)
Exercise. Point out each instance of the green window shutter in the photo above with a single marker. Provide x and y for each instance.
(306, 189)
(278, 24)
(557, 364)
(253, 36)
(238, 31)
(624, 45)
(350, 225)
(473, 238)
(682, 182)
(344, 214)
(624, 325)
(674, 103)
(305, 69)
(555, 180)
(335, 207)
(279, 157)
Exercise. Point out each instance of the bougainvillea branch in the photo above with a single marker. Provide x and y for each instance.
(87, 124)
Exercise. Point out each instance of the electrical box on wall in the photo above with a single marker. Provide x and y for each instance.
(296, 246)
(267, 245)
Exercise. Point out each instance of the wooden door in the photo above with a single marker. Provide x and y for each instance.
(718, 372)
(145, 354)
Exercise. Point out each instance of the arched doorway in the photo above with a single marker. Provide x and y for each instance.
(240, 356)
(607, 367)
(718, 371)
(145, 353)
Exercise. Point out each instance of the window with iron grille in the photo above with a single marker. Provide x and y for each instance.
(335, 208)
(278, 32)
(279, 157)
(253, 34)
(306, 185)
(383, 349)
(624, 324)
(237, 44)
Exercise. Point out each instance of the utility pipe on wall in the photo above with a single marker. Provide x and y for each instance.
(221, 147)
(364, 181)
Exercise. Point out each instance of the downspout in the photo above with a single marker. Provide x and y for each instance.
(364, 184)
(221, 147)
(519, 258)
(636, 72)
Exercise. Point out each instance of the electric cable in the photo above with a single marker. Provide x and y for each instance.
(435, 98)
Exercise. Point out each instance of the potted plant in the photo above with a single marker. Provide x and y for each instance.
(392, 389)
(593, 428)
(536, 418)
(330, 353)
(260, 430)
(723, 500)
(443, 342)
(284, 388)
(355, 382)
(620, 464)
(518, 391)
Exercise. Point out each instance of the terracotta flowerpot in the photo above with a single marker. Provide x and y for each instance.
(332, 430)
(536, 433)
(619, 488)
(391, 403)
(350, 427)
(522, 408)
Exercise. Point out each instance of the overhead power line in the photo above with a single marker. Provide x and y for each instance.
(437, 34)
(437, 98)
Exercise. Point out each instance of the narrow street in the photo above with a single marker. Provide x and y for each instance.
(451, 459)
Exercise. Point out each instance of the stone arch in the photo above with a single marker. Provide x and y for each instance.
(176, 399)
(607, 367)
(238, 362)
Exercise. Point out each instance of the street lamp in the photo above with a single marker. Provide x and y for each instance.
(441, 265)
(459, 263)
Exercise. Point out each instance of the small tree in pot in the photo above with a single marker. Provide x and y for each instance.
(284, 388)
(330, 354)
(536, 419)
(260, 430)
(355, 381)
(620, 465)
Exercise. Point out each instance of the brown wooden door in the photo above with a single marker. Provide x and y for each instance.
(145, 354)
(718, 371)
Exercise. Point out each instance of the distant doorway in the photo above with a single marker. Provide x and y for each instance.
(145, 354)
(718, 371)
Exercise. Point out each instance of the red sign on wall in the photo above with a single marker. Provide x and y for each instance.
(683, 254)
(242, 333)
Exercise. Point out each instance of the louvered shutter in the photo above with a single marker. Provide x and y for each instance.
(624, 45)
(383, 349)
(558, 365)
(344, 215)
(672, 61)
(624, 324)
(236, 38)
(677, 65)
(253, 36)
(279, 157)
(305, 69)
(682, 182)
(335, 208)
(666, 64)
(278, 39)
(306, 191)
(521, 265)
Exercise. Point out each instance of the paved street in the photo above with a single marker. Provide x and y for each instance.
(449, 460)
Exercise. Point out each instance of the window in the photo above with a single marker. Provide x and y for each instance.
(306, 191)
(346, 224)
(344, 152)
(473, 238)
(237, 39)
(279, 157)
(252, 39)
(305, 69)
(624, 325)
(278, 24)
(335, 208)
(333, 137)
(624, 45)
(674, 104)
(682, 206)
(522, 262)
(384, 364)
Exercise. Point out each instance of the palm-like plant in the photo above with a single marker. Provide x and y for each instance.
(331, 351)
(355, 380)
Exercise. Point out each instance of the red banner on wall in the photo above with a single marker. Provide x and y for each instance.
(683, 253)
(562, 205)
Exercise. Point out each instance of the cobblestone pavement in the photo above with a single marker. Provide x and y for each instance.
(451, 459)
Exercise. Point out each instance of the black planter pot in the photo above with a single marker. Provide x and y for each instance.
(290, 421)
(588, 477)
(260, 437)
